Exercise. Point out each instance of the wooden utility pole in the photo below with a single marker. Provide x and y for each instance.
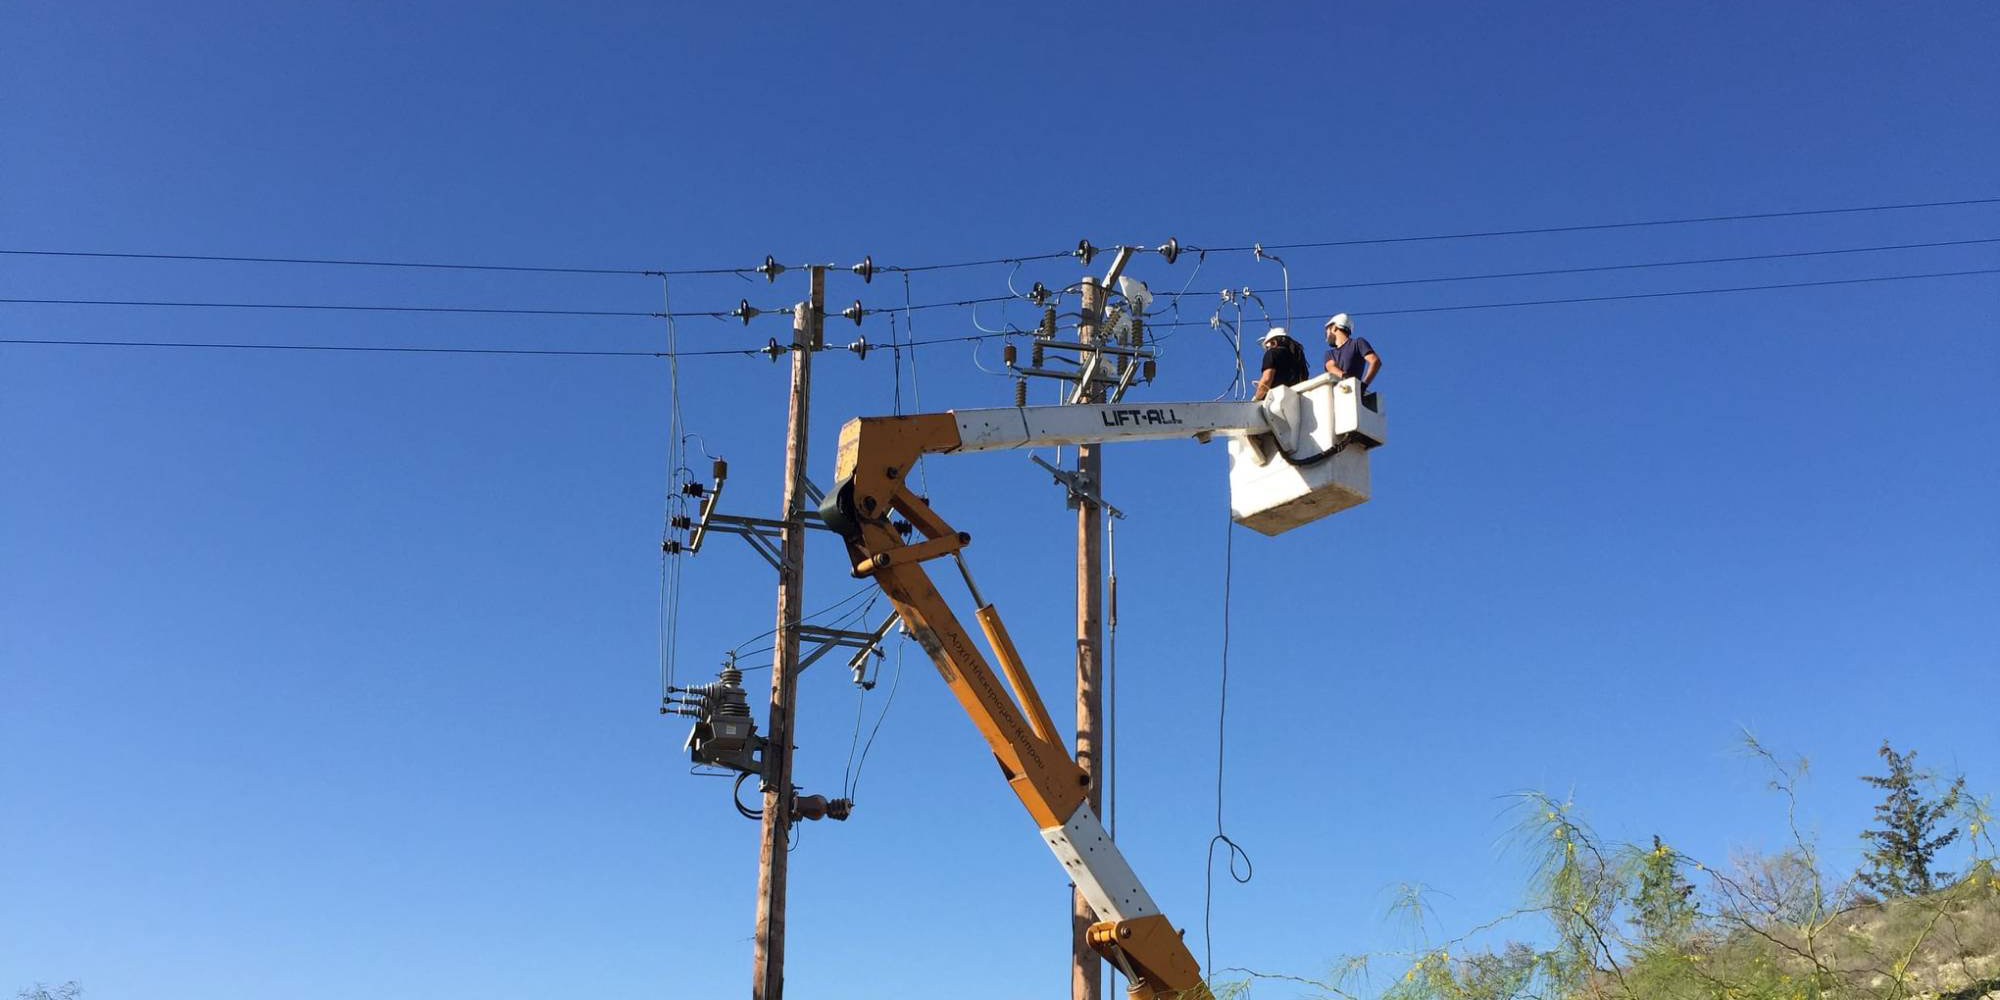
(1086, 975)
(768, 962)
(1086, 978)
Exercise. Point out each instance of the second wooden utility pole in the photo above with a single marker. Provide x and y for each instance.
(768, 953)
(1086, 975)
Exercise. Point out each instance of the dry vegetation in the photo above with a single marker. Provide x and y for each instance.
(1645, 922)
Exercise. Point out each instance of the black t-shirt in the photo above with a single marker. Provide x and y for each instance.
(1286, 360)
(1350, 359)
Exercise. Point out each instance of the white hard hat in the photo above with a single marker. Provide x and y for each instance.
(1341, 320)
(1273, 334)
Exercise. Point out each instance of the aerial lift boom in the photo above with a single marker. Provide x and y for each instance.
(1294, 457)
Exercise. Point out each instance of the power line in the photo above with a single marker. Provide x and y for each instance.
(1600, 226)
(749, 352)
(980, 262)
(1788, 255)
(345, 262)
(1644, 295)
(418, 349)
(512, 268)
(367, 349)
(475, 310)
(471, 310)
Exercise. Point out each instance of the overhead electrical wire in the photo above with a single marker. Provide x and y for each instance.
(908, 307)
(916, 378)
(474, 310)
(369, 348)
(853, 787)
(514, 268)
(913, 343)
(676, 501)
(1649, 295)
(1597, 268)
(985, 261)
(1601, 226)
(406, 349)
(343, 262)
(978, 263)
(334, 307)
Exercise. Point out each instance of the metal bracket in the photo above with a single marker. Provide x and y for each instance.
(1079, 489)
(1063, 375)
(1087, 377)
(830, 639)
(761, 532)
(1124, 382)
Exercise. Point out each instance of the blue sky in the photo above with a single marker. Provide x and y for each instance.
(327, 672)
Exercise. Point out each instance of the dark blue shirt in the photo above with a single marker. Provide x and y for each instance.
(1287, 360)
(1349, 359)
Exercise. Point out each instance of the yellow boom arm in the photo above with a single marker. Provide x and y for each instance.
(876, 454)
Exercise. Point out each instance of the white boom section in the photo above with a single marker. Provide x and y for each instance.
(999, 428)
(1098, 868)
(1297, 456)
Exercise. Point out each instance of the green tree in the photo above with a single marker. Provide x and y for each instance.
(1906, 845)
(1663, 904)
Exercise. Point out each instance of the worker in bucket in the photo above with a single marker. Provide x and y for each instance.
(1284, 362)
(1349, 356)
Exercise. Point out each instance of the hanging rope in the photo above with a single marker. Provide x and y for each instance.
(1111, 683)
(1221, 719)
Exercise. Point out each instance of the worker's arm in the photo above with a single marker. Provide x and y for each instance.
(1374, 365)
(1264, 383)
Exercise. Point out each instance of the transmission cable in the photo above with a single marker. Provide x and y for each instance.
(913, 343)
(1592, 227)
(982, 262)
(1652, 295)
(977, 263)
(853, 788)
(333, 307)
(909, 307)
(369, 349)
(916, 379)
(1789, 255)
(514, 268)
(401, 349)
(676, 500)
